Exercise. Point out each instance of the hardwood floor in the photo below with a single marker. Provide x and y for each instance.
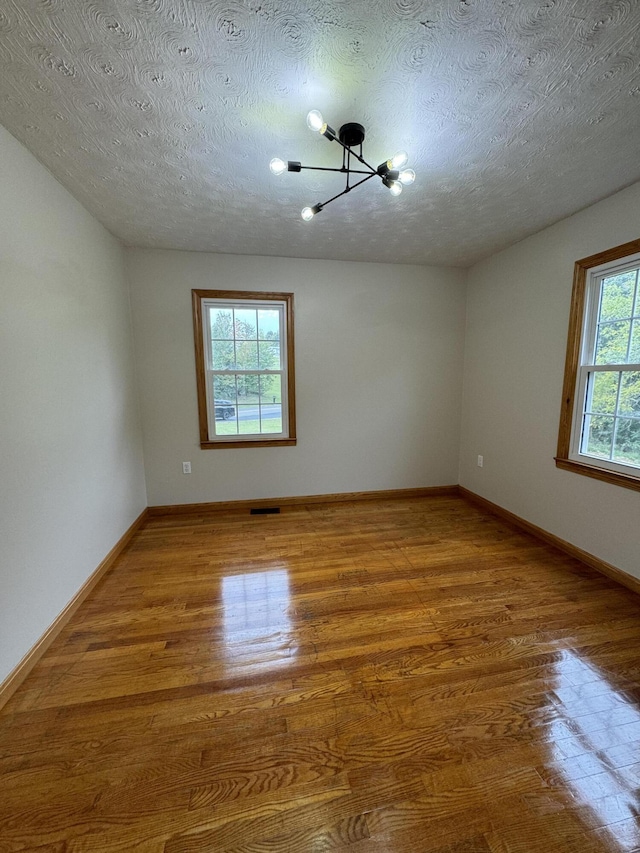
(394, 676)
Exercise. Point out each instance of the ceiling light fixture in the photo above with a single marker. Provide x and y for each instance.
(349, 137)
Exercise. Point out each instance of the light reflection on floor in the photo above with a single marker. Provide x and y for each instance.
(256, 620)
(600, 759)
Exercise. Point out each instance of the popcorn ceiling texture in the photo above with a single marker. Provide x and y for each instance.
(161, 117)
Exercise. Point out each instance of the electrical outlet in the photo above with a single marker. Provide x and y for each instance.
(186, 467)
(480, 461)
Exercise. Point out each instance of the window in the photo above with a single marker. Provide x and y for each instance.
(600, 420)
(244, 368)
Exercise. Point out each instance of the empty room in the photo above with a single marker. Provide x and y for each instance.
(319, 426)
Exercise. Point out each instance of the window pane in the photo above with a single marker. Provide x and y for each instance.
(627, 446)
(221, 323)
(269, 325)
(270, 389)
(630, 394)
(617, 296)
(246, 355)
(224, 394)
(248, 388)
(248, 418)
(229, 427)
(599, 437)
(222, 355)
(269, 355)
(271, 418)
(246, 323)
(605, 392)
(271, 403)
(224, 388)
(634, 354)
(612, 342)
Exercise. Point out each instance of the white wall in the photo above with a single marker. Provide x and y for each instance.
(71, 472)
(517, 323)
(378, 376)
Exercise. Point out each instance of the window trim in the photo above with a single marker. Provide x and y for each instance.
(242, 296)
(572, 371)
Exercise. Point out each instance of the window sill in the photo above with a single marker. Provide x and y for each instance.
(628, 481)
(260, 442)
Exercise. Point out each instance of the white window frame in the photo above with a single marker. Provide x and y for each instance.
(203, 302)
(580, 365)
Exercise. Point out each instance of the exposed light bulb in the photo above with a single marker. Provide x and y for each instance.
(277, 166)
(398, 160)
(395, 187)
(407, 177)
(309, 212)
(315, 120)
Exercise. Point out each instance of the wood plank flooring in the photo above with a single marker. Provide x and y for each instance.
(400, 676)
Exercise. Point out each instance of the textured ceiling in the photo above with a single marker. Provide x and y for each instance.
(161, 117)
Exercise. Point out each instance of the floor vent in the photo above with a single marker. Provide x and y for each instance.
(264, 510)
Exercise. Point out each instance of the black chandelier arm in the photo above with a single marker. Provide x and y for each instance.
(372, 175)
(342, 169)
(348, 166)
(347, 190)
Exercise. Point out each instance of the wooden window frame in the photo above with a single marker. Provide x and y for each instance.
(206, 443)
(573, 363)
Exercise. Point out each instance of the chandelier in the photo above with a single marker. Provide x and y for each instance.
(350, 136)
